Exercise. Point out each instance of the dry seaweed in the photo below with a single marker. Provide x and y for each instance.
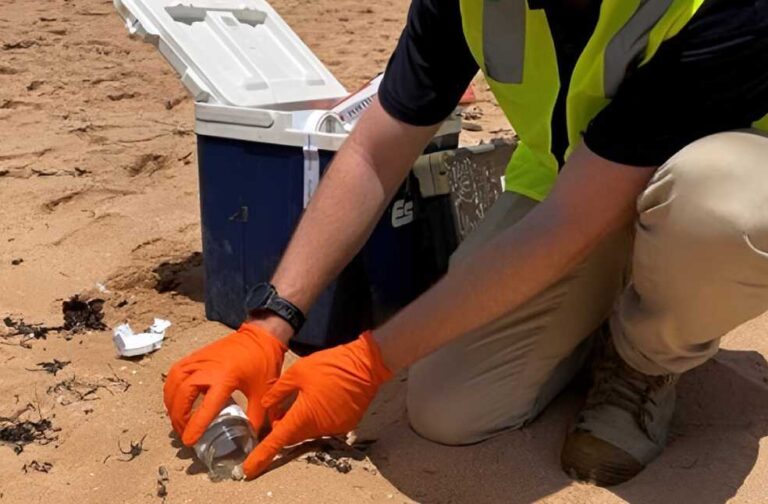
(81, 314)
(52, 367)
(74, 389)
(18, 433)
(136, 449)
(43, 467)
(27, 331)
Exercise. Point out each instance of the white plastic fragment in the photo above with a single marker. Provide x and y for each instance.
(159, 326)
(238, 474)
(130, 344)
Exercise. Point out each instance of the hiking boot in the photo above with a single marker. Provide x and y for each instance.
(623, 425)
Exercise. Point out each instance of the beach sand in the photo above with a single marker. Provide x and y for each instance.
(98, 185)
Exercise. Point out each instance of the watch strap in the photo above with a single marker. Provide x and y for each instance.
(286, 311)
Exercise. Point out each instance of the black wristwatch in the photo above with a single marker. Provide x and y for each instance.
(263, 297)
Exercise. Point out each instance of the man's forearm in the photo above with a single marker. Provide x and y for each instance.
(521, 262)
(354, 192)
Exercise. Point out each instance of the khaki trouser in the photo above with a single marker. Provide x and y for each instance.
(699, 266)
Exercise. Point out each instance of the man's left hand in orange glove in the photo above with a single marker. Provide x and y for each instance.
(334, 389)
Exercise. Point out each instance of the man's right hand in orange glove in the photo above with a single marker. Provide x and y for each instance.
(334, 386)
(248, 360)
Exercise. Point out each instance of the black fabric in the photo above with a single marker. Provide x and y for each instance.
(431, 66)
(711, 77)
(571, 26)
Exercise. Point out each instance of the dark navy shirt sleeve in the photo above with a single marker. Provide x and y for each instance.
(711, 77)
(431, 66)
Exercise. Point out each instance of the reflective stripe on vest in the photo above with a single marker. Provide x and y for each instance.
(513, 46)
(504, 40)
(630, 42)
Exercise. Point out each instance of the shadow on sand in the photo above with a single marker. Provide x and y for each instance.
(184, 277)
(721, 416)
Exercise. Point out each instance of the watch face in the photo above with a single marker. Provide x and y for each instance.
(258, 296)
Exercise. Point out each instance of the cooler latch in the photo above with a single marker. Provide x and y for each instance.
(432, 173)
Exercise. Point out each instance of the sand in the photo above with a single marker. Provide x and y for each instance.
(98, 185)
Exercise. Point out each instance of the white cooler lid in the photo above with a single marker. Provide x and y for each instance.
(238, 53)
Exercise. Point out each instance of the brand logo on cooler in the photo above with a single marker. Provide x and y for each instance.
(402, 213)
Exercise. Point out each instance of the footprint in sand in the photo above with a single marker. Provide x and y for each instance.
(147, 163)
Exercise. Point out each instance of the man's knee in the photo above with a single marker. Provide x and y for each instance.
(701, 253)
(711, 194)
(456, 415)
(443, 419)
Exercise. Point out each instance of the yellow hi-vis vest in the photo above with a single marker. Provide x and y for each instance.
(513, 46)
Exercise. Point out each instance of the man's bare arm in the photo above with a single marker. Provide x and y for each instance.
(591, 198)
(365, 174)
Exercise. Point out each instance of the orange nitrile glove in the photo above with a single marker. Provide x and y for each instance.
(334, 388)
(248, 360)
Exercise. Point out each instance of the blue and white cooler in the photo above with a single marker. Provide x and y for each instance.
(269, 117)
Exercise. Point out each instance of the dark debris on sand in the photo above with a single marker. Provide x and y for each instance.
(335, 454)
(27, 331)
(43, 467)
(136, 448)
(18, 433)
(162, 482)
(51, 367)
(331, 460)
(81, 314)
(74, 389)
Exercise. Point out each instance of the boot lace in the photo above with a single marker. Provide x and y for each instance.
(618, 385)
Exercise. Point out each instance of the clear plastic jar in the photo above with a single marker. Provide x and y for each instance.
(226, 443)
